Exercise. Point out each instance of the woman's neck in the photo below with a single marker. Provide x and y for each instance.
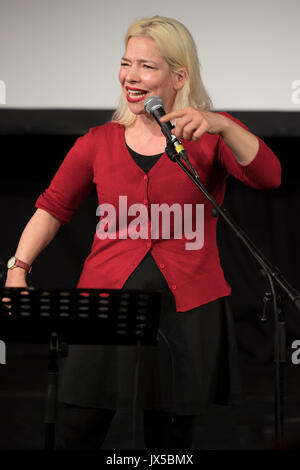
(144, 136)
(146, 125)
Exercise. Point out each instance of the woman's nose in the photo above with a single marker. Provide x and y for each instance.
(132, 74)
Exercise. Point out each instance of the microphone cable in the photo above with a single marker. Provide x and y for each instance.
(135, 392)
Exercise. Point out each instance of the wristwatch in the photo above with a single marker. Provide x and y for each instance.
(14, 262)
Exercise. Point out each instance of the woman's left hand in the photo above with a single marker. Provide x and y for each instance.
(192, 123)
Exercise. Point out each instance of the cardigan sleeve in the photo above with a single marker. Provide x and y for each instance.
(72, 182)
(264, 172)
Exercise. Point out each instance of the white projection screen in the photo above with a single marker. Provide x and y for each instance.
(66, 53)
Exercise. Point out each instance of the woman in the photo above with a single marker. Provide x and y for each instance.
(126, 158)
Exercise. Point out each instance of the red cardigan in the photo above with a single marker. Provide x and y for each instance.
(101, 158)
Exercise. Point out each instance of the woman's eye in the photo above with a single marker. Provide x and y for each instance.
(124, 64)
(148, 66)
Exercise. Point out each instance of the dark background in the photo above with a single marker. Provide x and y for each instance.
(33, 144)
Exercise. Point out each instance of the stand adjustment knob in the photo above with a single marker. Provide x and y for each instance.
(267, 298)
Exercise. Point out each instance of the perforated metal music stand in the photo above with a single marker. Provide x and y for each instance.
(59, 317)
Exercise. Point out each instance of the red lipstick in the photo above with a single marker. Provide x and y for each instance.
(134, 95)
(135, 89)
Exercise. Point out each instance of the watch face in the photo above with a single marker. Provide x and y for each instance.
(11, 262)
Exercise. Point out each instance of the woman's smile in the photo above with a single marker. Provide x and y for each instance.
(135, 95)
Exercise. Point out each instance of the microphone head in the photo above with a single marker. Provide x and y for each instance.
(152, 103)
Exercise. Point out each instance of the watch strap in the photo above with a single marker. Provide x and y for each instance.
(20, 264)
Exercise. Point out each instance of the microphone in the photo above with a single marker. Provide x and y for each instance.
(154, 105)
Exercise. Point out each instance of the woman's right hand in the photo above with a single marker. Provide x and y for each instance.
(15, 278)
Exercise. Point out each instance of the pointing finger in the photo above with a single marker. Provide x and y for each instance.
(172, 115)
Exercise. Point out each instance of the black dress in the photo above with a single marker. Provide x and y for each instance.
(194, 363)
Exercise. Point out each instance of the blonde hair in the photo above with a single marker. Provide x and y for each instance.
(179, 50)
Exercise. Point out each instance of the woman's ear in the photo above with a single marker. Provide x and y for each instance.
(180, 77)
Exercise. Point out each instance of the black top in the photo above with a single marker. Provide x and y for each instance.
(146, 162)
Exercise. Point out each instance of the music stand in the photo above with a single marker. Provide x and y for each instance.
(60, 317)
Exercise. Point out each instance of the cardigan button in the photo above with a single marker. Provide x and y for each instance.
(174, 287)
(145, 201)
(162, 265)
(145, 177)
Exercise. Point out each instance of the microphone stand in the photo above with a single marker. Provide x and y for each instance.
(268, 270)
